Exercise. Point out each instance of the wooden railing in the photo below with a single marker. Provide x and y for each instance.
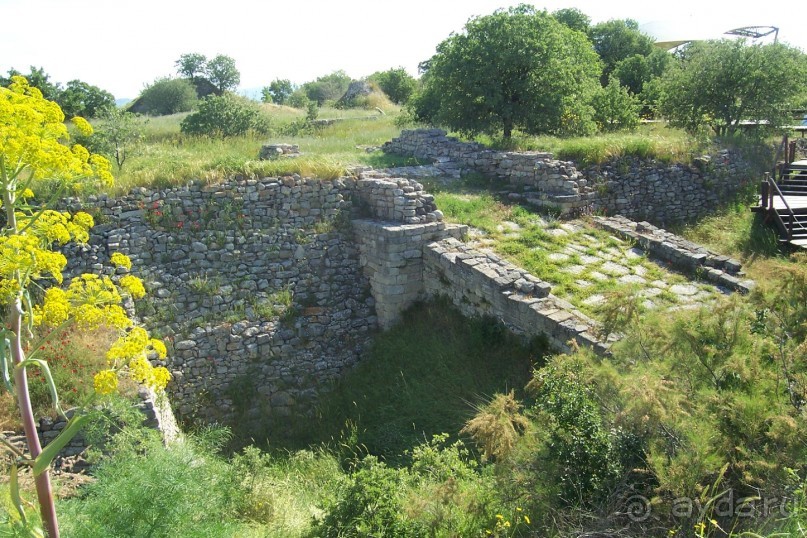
(771, 189)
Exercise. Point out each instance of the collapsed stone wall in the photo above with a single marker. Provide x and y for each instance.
(256, 284)
(640, 189)
(545, 180)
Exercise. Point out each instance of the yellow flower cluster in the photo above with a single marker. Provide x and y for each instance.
(132, 350)
(82, 125)
(120, 260)
(22, 258)
(54, 226)
(91, 300)
(32, 131)
(105, 382)
(133, 286)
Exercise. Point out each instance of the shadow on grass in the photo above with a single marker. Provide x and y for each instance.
(425, 376)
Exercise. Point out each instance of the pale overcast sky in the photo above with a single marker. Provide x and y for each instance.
(120, 46)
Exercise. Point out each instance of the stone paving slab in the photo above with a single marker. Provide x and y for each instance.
(593, 265)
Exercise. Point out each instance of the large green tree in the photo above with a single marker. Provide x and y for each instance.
(396, 83)
(516, 68)
(573, 18)
(222, 73)
(327, 87)
(721, 83)
(191, 65)
(82, 99)
(616, 40)
(280, 90)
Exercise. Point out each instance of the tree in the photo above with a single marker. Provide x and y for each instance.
(573, 18)
(328, 87)
(298, 99)
(280, 90)
(615, 108)
(224, 116)
(191, 65)
(639, 74)
(518, 68)
(266, 95)
(32, 151)
(616, 40)
(720, 83)
(221, 72)
(119, 135)
(37, 78)
(82, 99)
(396, 83)
(167, 96)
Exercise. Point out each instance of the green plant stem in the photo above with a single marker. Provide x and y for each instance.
(44, 490)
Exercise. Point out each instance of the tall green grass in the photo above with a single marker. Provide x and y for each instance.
(167, 157)
(422, 378)
(650, 141)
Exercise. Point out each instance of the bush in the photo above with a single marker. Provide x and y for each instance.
(168, 96)
(298, 99)
(146, 489)
(396, 83)
(225, 116)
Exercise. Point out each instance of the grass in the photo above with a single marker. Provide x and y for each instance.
(167, 157)
(649, 141)
(421, 378)
(73, 357)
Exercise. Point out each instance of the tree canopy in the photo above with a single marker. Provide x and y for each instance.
(573, 18)
(720, 83)
(280, 90)
(76, 99)
(396, 83)
(516, 68)
(616, 40)
(191, 65)
(222, 73)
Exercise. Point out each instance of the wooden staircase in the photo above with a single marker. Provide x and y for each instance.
(783, 198)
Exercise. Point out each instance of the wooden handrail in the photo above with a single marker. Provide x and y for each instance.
(771, 187)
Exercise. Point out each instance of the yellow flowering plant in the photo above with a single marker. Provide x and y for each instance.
(34, 148)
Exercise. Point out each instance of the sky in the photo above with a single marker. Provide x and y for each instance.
(120, 47)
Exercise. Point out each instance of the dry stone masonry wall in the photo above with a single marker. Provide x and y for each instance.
(270, 289)
(256, 283)
(483, 284)
(639, 189)
(677, 251)
(545, 181)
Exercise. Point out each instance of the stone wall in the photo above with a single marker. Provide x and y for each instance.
(674, 250)
(256, 284)
(483, 284)
(392, 260)
(640, 189)
(544, 180)
(668, 193)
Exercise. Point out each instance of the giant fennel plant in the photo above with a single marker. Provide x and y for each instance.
(36, 303)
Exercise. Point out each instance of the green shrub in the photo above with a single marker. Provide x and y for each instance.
(225, 116)
(579, 444)
(396, 83)
(146, 489)
(615, 109)
(371, 505)
(168, 96)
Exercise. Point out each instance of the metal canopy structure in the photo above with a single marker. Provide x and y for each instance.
(670, 34)
(755, 32)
